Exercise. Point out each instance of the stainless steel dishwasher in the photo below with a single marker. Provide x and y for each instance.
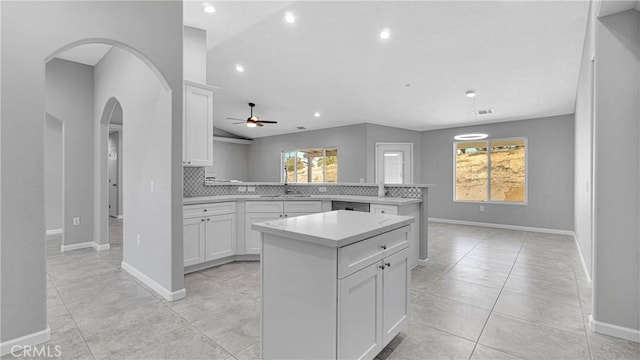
(349, 205)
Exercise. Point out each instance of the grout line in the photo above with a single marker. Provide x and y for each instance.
(84, 340)
(496, 302)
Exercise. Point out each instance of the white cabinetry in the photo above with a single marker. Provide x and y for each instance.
(197, 146)
(257, 211)
(209, 232)
(414, 232)
(384, 209)
(301, 281)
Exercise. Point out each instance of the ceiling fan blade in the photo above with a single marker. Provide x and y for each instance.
(240, 122)
(267, 122)
(259, 123)
(230, 118)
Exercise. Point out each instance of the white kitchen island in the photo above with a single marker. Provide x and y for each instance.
(335, 285)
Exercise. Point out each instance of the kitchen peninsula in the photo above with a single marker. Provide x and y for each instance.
(334, 284)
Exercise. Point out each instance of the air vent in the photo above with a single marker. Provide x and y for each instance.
(301, 127)
(484, 112)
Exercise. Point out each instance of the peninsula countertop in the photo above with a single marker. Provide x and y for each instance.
(334, 228)
(356, 198)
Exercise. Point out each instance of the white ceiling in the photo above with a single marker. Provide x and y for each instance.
(521, 57)
(88, 54)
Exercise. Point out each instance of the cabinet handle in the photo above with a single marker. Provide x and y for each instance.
(201, 219)
(383, 247)
(285, 215)
(388, 264)
(280, 215)
(382, 211)
(208, 219)
(381, 267)
(205, 210)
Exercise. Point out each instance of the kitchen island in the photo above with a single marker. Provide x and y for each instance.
(335, 285)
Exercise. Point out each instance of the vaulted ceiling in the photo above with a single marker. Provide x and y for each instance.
(521, 57)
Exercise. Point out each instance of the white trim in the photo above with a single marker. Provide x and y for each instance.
(169, 295)
(584, 264)
(54, 231)
(422, 262)
(503, 226)
(232, 140)
(84, 245)
(31, 339)
(614, 330)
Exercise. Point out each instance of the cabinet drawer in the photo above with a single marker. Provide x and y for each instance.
(384, 209)
(303, 207)
(357, 256)
(264, 206)
(190, 211)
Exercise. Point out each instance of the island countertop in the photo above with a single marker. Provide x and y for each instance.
(334, 228)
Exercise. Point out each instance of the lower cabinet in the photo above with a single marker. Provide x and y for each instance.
(373, 306)
(252, 237)
(209, 232)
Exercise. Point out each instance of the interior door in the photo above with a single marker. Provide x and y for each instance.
(394, 163)
(113, 180)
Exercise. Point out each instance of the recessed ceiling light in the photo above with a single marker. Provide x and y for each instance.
(208, 8)
(316, 114)
(470, 94)
(239, 68)
(289, 17)
(385, 34)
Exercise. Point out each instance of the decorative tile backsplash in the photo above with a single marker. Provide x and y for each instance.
(194, 186)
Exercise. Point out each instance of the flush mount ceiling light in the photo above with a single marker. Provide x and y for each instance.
(239, 68)
(316, 114)
(208, 8)
(391, 154)
(471, 136)
(289, 17)
(385, 33)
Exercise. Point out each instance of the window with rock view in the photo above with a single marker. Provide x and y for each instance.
(491, 171)
(311, 165)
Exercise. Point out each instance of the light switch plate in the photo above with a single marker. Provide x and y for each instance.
(322, 189)
(76, 221)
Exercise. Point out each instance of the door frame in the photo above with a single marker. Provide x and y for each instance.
(406, 148)
(117, 128)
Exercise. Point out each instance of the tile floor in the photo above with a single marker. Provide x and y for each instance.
(485, 294)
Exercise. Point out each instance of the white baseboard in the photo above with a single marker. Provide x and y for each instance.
(169, 295)
(84, 245)
(614, 330)
(100, 247)
(503, 226)
(584, 264)
(31, 339)
(54, 231)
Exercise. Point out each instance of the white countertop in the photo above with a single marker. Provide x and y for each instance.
(334, 228)
(242, 183)
(355, 198)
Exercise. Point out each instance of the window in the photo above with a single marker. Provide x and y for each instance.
(310, 165)
(493, 171)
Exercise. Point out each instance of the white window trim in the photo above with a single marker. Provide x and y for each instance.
(295, 164)
(526, 173)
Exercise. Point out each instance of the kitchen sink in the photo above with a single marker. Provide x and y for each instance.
(285, 196)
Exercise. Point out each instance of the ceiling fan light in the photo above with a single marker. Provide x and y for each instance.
(251, 124)
(466, 137)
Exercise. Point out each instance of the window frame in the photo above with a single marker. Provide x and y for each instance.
(324, 165)
(489, 201)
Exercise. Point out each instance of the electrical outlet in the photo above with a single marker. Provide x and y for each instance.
(152, 187)
(322, 189)
(481, 208)
(138, 239)
(251, 189)
(76, 221)
(361, 180)
(242, 188)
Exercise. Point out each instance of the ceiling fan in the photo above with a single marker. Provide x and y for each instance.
(252, 121)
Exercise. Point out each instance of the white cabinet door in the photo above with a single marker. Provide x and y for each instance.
(384, 209)
(220, 236)
(396, 279)
(198, 125)
(252, 237)
(193, 232)
(360, 314)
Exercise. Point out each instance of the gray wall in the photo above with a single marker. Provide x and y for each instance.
(583, 186)
(264, 153)
(31, 33)
(69, 97)
(230, 161)
(550, 174)
(146, 143)
(617, 171)
(53, 172)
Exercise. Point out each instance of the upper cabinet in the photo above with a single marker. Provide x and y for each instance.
(197, 141)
